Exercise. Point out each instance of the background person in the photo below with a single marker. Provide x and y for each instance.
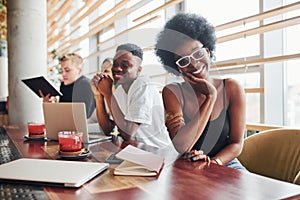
(105, 68)
(204, 115)
(75, 87)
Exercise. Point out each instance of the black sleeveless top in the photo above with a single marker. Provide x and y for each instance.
(79, 91)
(216, 133)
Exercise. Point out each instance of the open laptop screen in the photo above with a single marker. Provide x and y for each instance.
(69, 117)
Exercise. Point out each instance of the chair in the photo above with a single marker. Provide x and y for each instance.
(297, 179)
(273, 153)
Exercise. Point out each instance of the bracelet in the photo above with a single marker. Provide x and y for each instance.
(218, 161)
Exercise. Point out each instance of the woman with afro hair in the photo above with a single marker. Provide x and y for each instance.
(205, 116)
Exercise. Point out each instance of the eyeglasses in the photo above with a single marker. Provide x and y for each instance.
(186, 60)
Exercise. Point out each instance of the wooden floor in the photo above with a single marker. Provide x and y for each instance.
(3, 119)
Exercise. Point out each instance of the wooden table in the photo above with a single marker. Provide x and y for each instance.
(179, 179)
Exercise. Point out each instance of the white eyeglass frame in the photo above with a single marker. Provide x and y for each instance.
(189, 57)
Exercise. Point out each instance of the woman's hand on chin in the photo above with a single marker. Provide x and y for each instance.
(201, 84)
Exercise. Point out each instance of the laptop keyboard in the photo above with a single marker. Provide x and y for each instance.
(9, 152)
(18, 191)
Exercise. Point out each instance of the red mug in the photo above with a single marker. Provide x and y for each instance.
(70, 142)
(35, 129)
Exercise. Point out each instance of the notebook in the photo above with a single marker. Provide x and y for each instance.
(50, 172)
(41, 83)
(138, 162)
(70, 117)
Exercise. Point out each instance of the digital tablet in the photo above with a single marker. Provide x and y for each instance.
(41, 83)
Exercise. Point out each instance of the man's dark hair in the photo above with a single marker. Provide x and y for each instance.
(134, 49)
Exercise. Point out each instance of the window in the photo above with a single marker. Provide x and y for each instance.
(292, 71)
(144, 36)
(235, 49)
(293, 81)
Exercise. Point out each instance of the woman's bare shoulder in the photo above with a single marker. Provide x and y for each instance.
(233, 84)
(234, 90)
(172, 87)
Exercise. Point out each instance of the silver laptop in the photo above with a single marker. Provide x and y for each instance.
(50, 172)
(70, 117)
